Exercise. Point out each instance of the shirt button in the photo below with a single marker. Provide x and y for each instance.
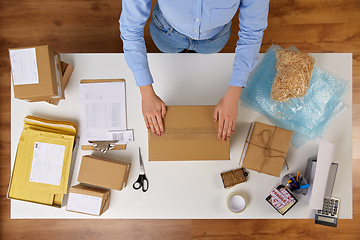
(197, 19)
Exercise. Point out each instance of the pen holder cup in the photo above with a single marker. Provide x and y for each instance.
(291, 186)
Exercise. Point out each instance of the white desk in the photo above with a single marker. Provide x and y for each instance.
(191, 190)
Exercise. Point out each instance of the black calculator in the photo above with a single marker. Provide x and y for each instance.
(329, 213)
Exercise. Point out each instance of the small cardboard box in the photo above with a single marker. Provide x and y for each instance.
(36, 73)
(265, 148)
(190, 134)
(103, 172)
(88, 200)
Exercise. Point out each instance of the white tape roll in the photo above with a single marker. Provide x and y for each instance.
(236, 202)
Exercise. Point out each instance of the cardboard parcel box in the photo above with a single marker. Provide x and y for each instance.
(36, 73)
(88, 200)
(265, 148)
(102, 172)
(190, 134)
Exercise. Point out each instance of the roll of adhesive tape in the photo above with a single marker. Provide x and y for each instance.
(236, 202)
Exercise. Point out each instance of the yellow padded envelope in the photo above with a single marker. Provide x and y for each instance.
(43, 160)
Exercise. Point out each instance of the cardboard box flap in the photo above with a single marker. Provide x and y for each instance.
(190, 119)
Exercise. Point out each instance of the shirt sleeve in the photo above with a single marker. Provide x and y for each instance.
(133, 17)
(253, 21)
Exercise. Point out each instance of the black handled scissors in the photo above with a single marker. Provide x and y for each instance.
(142, 181)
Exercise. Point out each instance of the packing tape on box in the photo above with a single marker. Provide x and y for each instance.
(236, 202)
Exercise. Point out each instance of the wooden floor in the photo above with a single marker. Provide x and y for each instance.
(87, 26)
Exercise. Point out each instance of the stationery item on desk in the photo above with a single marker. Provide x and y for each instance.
(190, 135)
(103, 115)
(297, 176)
(44, 162)
(296, 184)
(36, 74)
(265, 148)
(329, 213)
(324, 160)
(236, 202)
(142, 181)
(310, 174)
(233, 177)
(104, 172)
(281, 199)
(88, 200)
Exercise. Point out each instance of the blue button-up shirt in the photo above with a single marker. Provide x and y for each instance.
(197, 19)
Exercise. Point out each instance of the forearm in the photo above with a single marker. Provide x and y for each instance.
(233, 92)
(132, 21)
(253, 21)
(147, 91)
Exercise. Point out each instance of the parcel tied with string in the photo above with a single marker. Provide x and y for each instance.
(265, 148)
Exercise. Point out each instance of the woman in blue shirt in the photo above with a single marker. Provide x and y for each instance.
(202, 26)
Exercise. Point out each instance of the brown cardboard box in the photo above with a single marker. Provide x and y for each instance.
(48, 65)
(67, 70)
(103, 172)
(190, 134)
(88, 200)
(265, 148)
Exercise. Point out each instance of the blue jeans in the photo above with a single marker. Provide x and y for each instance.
(168, 40)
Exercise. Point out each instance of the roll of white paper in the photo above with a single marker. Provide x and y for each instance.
(324, 160)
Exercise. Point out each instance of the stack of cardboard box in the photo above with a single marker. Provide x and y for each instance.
(38, 74)
(97, 175)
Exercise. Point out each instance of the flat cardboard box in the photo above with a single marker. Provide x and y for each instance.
(88, 200)
(190, 134)
(103, 172)
(67, 70)
(255, 155)
(48, 65)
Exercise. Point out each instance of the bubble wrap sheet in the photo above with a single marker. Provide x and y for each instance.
(307, 117)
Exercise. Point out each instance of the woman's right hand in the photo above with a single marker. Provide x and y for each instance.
(153, 110)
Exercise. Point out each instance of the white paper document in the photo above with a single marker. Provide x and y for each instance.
(24, 66)
(84, 203)
(47, 163)
(103, 112)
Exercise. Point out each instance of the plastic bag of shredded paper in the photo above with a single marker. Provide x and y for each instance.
(293, 75)
(318, 108)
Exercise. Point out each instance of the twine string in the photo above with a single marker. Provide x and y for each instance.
(266, 145)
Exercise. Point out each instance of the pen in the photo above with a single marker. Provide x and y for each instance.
(305, 186)
(297, 176)
(296, 184)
